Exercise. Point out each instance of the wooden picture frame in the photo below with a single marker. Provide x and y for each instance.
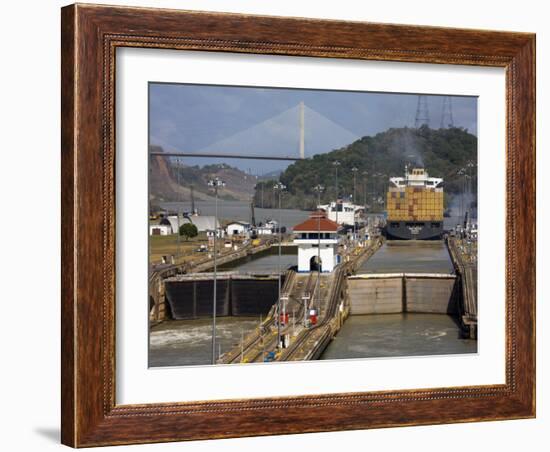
(90, 36)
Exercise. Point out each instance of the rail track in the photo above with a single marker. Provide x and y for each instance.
(323, 327)
(319, 335)
(253, 345)
(310, 341)
(467, 270)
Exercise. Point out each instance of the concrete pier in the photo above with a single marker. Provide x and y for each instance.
(464, 256)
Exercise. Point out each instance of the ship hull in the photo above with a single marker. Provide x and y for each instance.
(414, 230)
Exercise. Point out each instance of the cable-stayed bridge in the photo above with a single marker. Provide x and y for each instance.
(296, 133)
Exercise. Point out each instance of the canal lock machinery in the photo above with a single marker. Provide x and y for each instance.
(338, 295)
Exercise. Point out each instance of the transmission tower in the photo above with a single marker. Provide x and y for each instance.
(447, 113)
(422, 113)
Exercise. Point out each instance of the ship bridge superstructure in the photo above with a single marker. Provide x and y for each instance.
(415, 206)
(416, 177)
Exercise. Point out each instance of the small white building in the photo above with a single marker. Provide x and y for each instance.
(317, 237)
(174, 221)
(220, 233)
(269, 228)
(160, 229)
(203, 223)
(342, 212)
(238, 228)
(264, 230)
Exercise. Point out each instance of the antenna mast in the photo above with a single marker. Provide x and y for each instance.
(447, 111)
(422, 114)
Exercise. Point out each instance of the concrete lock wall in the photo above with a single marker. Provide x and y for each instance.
(375, 296)
(430, 296)
(397, 294)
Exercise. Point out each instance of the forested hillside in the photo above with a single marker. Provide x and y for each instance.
(443, 152)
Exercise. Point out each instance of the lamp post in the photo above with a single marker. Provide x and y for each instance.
(461, 173)
(305, 299)
(319, 189)
(216, 183)
(373, 177)
(383, 188)
(376, 176)
(365, 185)
(470, 173)
(178, 249)
(354, 171)
(336, 164)
(279, 187)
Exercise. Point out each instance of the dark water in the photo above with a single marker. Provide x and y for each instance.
(410, 256)
(189, 342)
(391, 335)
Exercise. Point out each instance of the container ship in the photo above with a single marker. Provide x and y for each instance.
(415, 206)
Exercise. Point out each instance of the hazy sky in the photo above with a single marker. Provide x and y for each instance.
(265, 121)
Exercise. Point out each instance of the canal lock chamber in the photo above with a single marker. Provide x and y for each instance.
(248, 286)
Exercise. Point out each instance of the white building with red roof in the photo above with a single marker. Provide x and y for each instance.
(317, 239)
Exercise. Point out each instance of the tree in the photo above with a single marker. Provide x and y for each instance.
(188, 230)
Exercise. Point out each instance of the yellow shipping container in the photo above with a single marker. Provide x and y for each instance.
(414, 203)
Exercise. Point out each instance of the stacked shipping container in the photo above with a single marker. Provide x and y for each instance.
(415, 204)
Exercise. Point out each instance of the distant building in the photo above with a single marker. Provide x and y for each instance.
(160, 229)
(346, 212)
(269, 228)
(220, 233)
(264, 230)
(317, 231)
(202, 222)
(173, 221)
(238, 228)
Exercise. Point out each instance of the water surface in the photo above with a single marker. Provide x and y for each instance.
(265, 262)
(402, 256)
(189, 342)
(392, 335)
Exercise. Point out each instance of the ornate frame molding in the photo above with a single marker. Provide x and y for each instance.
(90, 37)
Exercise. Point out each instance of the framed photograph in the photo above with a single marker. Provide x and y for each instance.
(281, 225)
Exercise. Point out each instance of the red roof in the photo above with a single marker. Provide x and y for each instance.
(317, 222)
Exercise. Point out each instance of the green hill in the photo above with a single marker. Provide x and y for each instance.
(443, 152)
